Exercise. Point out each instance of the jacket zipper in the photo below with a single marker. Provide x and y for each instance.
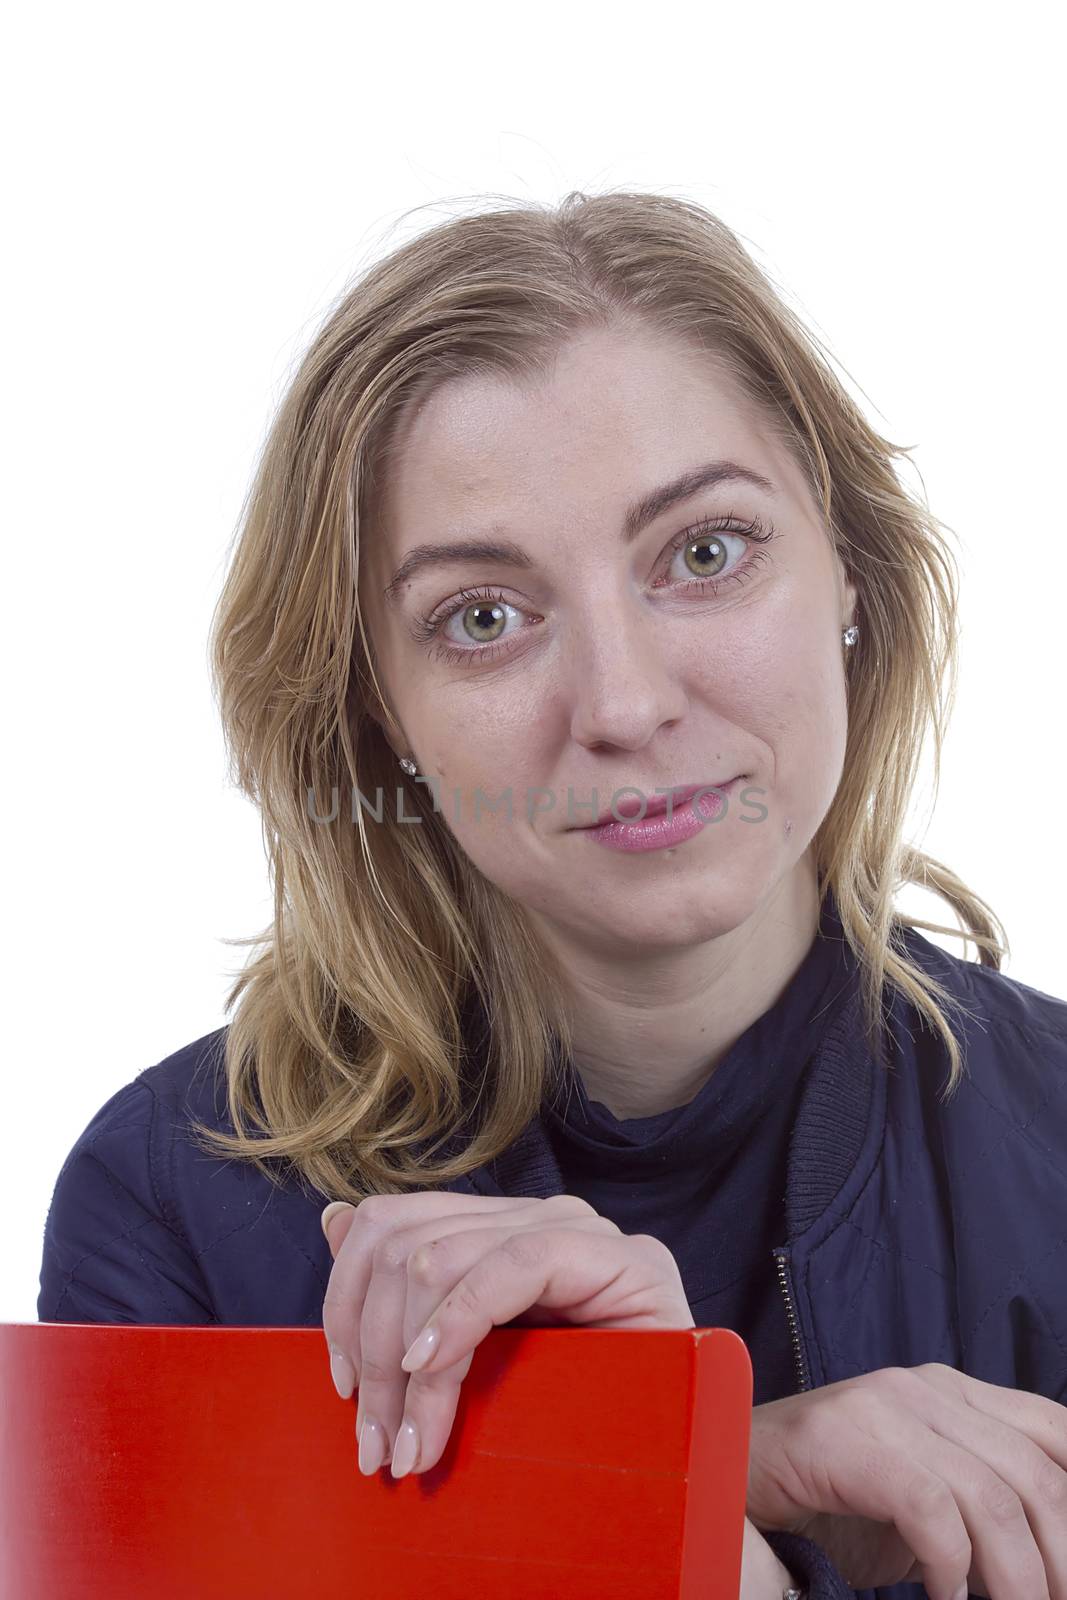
(781, 1259)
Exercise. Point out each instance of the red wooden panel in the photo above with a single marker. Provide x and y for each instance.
(219, 1463)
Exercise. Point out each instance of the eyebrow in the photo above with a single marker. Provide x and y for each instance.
(638, 517)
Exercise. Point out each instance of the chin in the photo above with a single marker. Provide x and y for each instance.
(681, 912)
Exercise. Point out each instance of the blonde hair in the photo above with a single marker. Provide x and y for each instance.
(348, 1050)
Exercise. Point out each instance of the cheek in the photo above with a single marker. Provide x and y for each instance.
(504, 849)
(484, 737)
(807, 719)
(790, 697)
(478, 764)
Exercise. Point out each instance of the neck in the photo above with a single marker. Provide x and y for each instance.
(650, 1027)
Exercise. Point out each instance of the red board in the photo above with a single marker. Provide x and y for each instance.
(173, 1463)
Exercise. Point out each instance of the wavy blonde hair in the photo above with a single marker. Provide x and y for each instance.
(348, 1051)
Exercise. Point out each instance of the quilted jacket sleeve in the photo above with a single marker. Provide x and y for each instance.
(114, 1249)
(814, 1572)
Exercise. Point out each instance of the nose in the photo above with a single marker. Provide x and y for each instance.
(624, 683)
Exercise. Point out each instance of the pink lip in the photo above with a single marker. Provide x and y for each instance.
(655, 804)
(656, 830)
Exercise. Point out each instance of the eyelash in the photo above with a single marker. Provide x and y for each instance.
(427, 629)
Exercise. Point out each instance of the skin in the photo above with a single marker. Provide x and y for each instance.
(624, 672)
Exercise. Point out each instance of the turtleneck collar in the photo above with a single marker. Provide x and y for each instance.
(831, 1124)
(760, 1070)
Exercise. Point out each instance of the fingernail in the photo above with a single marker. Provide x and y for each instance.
(343, 1373)
(405, 1450)
(331, 1211)
(371, 1446)
(962, 1593)
(422, 1349)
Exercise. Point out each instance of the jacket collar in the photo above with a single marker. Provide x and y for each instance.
(838, 1110)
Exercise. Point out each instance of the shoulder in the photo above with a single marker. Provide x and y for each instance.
(191, 1079)
(1001, 1016)
(986, 1218)
(148, 1223)
(1006, 1120)
(144, 1131)
(116, 1247)
(1010, 1103)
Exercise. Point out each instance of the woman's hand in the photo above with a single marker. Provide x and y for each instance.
(920, 1475)
(457, 1266)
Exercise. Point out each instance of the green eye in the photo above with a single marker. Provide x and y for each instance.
(706, 555)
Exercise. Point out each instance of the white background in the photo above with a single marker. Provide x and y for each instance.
(187, 190)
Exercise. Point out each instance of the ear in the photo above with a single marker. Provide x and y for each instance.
(384, 725)
(390, 733)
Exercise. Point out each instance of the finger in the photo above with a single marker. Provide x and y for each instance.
(1041, 1419)
(336, 1228)
(431, 1398)
(375, 1216)
(839, 1470)
(955, 1512)
(429, 1411)
(407, 1233)
(619, 1275)
(412, 1271)
(372, 1285)
(1032, 1477)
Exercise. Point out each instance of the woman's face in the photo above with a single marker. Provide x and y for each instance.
(603, 657)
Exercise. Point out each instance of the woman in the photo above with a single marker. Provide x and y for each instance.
(565, 514)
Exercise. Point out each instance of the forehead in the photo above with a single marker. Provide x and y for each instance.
(617, 413)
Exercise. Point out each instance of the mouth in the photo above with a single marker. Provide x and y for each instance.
(656, 804)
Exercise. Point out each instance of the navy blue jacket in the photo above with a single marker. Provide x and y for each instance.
(916, 1232)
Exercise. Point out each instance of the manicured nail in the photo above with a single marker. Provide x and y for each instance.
(405, 1450)
(331, 1211)
(342, 1372)
(422, 1349)
(371, 1446)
